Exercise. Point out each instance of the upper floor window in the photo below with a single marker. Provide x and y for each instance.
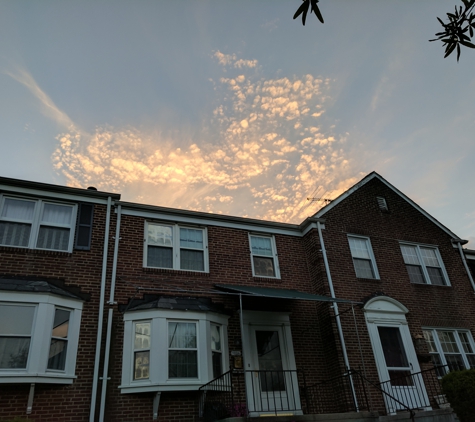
(36, 224)
(454, 348)
(424, 264)
(38, 338)
(175, 247)
(172, 350)
(363, 258)
(264, 256)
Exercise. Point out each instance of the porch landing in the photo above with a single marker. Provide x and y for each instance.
(439, 415)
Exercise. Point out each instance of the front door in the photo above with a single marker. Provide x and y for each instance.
(271, 378)
(396, 359)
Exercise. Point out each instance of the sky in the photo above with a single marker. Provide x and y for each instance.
(233, 107)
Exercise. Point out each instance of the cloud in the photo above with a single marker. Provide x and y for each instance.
(263, 154)
(49, 108)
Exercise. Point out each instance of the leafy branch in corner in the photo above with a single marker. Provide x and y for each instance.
(458, 30)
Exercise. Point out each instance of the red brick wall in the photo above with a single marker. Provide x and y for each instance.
(79, 268)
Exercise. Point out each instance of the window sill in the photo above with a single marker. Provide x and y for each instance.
(17, 249)
(264, 278)
(145, 388)
(378, 280)
(430, 285)
(25, 378)
(172, 271)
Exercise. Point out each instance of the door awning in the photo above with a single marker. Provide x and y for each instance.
(277, 293)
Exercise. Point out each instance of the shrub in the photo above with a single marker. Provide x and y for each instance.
(459, 387)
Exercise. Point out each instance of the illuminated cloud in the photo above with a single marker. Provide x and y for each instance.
(267, 156)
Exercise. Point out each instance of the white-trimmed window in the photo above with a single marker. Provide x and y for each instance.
(454, 348)
(264, 256)
(167, 350)
(36, 224)
(38, 338)
(175, 247)
(424, 264)
(363, 258)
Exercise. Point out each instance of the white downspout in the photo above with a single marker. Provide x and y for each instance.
(337, 313)
(462, 255)
(111, 303)
(101, 313)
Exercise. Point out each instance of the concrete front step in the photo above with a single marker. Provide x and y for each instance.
(439, 415)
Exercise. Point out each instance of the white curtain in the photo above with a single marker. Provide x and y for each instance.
(18, 210)
(57, 214)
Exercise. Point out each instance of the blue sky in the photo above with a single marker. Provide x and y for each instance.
(232, 107)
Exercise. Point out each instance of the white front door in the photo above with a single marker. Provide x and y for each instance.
(271, 379)
(396, 359)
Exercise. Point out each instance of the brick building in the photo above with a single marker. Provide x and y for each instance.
(126, 312)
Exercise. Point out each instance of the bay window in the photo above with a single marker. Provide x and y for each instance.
(175, 247)
(39, 336)
(169, 350)
(454, 348)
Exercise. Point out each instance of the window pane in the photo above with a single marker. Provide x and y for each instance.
(182, 335)
(393, 349)
(264, 266)
(415, 274)
(471, 361)
(14, 352)
(455, 362)
(159, 257)
(14, 234)
(142, 335)
(191, 238)
(192, 260)
(17, 209)
(16, 319)
(141, 365)
(429, 338)
(467, 347)
(447, 341)
(215, 338)
(159, 235)
(53, 238)
(363, 268)
(61, 323)
(436, 277)
(57, 354)
(409, 254)
(429, 257)
(217, 358)
(57, 214)
(270, 361)
(182, 364)
(359, 248)
(261, 246)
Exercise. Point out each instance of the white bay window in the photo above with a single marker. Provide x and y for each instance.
(169, 350)
(39, 336)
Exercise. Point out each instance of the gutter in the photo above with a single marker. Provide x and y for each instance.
(100, 316)
(111, 304)
(459, 243)
(337, 313)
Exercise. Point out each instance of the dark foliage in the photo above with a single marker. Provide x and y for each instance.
(459, 387)
(458, 30)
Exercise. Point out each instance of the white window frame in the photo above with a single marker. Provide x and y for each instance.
(36, 223)
(176, 249)
(273, 257)
(159, 379)
(440, 352)
(425, 273)
(372, 259)
(36, 370)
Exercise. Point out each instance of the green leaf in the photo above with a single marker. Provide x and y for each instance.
(467, 44)
(316, 10)
(458, 52)
(300, 10)
(449, 50)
